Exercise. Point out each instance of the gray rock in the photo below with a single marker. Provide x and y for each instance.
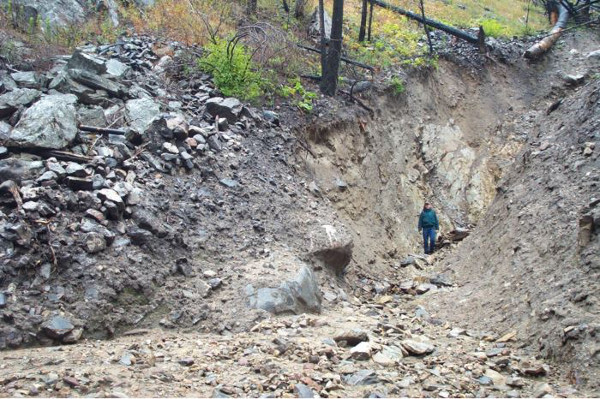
(107, 194)
(47, 176)
(116, 68)
(87, 62)
(409, 260)
(362, 377)
(94, 243)
(92, 116)
(96, 82)
(75, 169)
(542, 389)
(229, 108)
(214, 144)
(49, 123)
(3, 151)
(57, 327)
(594, 54)
(139, 236)
(303, 391)
(2, 300)
(271, 116)
(229, 183)
(314, 28)
(20, 97)
(127, 359)
(26, 79)
(141, 113)
(296, 296)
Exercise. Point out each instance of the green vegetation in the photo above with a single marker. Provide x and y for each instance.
(295, 88)
(230, 63)
(397, 85)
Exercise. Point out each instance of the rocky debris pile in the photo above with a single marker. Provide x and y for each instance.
(123, 176)
(354, 350)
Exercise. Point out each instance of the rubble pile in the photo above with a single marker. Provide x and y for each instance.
(129, 196)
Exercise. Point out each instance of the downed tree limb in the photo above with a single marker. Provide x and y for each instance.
(434, 24)
(344, 59)
(64, 156)
(102, 130)
(544, 45)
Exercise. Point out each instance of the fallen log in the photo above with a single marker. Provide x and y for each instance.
(102, 130)
(561, 15)
(63, 155)
(478, 40)
(344, 59)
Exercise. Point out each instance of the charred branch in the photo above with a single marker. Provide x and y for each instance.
(430, 22)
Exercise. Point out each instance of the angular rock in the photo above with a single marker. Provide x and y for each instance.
(362, 351)
(78, 183)
(57, 327)
(2, 300)
(26, 79)
(351, 337)
(141, 113)
(296, 296)
(417, 348)
(87, 62)
(229, 108)
(107, 194)
(96, 82)
(74, 336)
(49, 123)
(362, 377)
(75, 169)
(542, 389)
(19, 98)
(94, 243)
(303, 391)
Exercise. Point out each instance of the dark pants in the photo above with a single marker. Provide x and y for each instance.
(429, 239)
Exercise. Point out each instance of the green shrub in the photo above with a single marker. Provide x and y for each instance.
(397, 85)
(232, 69)
(493, 28)
(306, 97)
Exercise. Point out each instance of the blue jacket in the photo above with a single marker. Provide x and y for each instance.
(428, 219)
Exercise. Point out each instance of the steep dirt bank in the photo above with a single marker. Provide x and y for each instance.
(453, 137)
(532, 265)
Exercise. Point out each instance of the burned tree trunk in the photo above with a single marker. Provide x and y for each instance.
(363, 21)
(559, 16)
(334, 51)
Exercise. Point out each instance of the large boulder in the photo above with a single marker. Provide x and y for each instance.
(57, 12)
(301, 294)
(49, 123)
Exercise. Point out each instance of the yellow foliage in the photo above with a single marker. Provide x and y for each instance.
(188, 21)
